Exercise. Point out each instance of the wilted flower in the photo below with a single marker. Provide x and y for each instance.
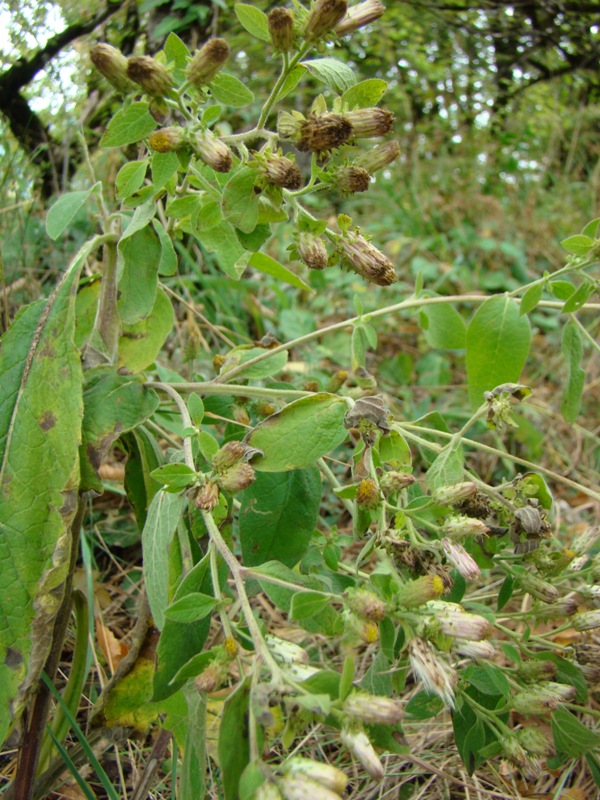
(475, 650)
(349, 180)
(461, 560)
(536, 671)
(284, 651)
(454, 494)
(230, 454)
(456, 527)
(366, 260)
(207, 496)
(150, 74)
(428, 667)
(586, 620)
(207, 61)
(318, 132)
(311, 250)
(281, 171)
(281, 28)
(324, 16)
(361, 748)
(326, 775)
(368, 494)
(366, 604)
(379, 157)
(113, 65)
(166, 140)
(534, 741)
(542, 698)
(586, 541)
(516, 753)
(236, 478)
(296, 786)
(213, 151)
(368, 122)
(420, 591)
(373, 709)
(359, 16)
(538, 588)
(393, 482)
(454, 621)
(565, 607)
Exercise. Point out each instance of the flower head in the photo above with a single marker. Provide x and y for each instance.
(366, 260)
(324, 16)
(361, 748)
(373, 709)
(349, 180)
(281, 171)
(542, 698)
(207, 61)
(324, 774)
(461, 560)
(359, 16)
(113, 65)
(379, 157)
(312, 250)
(428, 667)
(281, 28)
(213, 151)
(368, 494)
(166, 140)
(368, 122)
(322, 132)
(475, 650)
(150, 74)
(365, 604)
(458, 526)
(456, 622)
(420, 591)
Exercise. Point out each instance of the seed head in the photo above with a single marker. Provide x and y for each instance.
(324, 16)
(477, 651)
(113, 65)
(459, 526)
(542, 698)
(166, 140)
(150, 74)
(454, 621)
(361, 748)
(368, 122)
(365, 604)
(206, 62)
(281, 29)
(213, 151)
(366, 260)
(435, 674)
(322, 132)
(359, 16)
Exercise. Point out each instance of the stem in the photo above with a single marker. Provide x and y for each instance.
(103, 342)
(272, 98)
(208, 388)
(185, 416)
(586, 333)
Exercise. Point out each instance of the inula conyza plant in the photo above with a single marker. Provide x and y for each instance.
(435, 591)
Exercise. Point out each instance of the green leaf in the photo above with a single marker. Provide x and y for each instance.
(177, 54)
(447, 468)
(424, 705)
(562, 290)
(579, 244)
(143, 455)
(168, 264)
(175, 477)
(208, 445)
(572, 350)
(300, 433)
(192, 607)
(394, 450)
(253, 20)
(591, 229)
(163, 167)
(41, 412)
(278, 502)
(163, 517)
(140, 254)
(487, 679)
(130, 178)
(378, 680)
(307, 604)
(497, 346)
(193, 769)
(234, 739)
(270, 365)
(208, 215)
(292, 80)
(445, 329)
(506, 592)
(269, 266)
(240, 201)
(196, 408)
(230, 91)
(139, 344)
(579, 298)
(231, 256)
(61, 214)
(531, 298)
(347, 678)
(278, 594)
(571, 736)
(335, 74)
(129, 125)
(182, 207)
(364, 94)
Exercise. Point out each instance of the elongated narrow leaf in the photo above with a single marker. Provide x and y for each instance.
(270, 266)
(497, 346)
(299, 434)
(572, 350)
(234, 739)
(40, 428)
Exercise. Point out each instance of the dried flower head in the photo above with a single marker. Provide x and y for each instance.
(475, 650)
(207, 61)
(586, 620)
(281, 29)
(207, 496)
(324, 16)
(361, 748)
(542, 590)
(533, 740)
(461, 560)
(542, 698)
(586, 541)
(459, 526)
(366, 260)
(321, 132)
(359, 16)
(113, 65)
(372, 709)
(368, 494)
(330, 777)
(213, 151)
(454, 494)
(428, 667)
(393, 482)
(150, 74)
(281, 171)
(369, 122)
(349, 180)
(166, 140)
(286, 652)
(455, 621)
(365, 604)
(379, 157)
(312, 250)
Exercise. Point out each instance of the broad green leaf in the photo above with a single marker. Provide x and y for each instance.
(591, 229)
(293, 79)
(364, 94)
(275, 591)
(487, 679)
(86, 308)
(130, 178)
(277, 504)
(234, 739)
(572, 350)
(253, 20)
(163, 166)
(168, 264)
(192, 607)
(196, 408)
(445, 329)
(208, 445)
(562, 290)
(447, 468)
(207, 216)
(394, 450)
(163, 517)
(497, 346)
(230, 91)
(61, 214)
(579, 244)
(139, 344)
(269, 266)
(270, 365)
(211, 115)
(193, 768)
(113, 405)
(231, 256)
(424, 705)
(307, 604)
(129, 125)
(378, 680)
(142, 216)
(240, 201)
(571, 736)
(41, 411)
(300, 433)
(177, 55)
(335, 74)
(140, 254)
(531, 298)
(175, 477)
(579, 298)
(143, 456)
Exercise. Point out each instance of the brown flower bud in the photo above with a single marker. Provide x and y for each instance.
(366, 260)
(379, 156)
(113, 65)
(366, 604)
(323, 132)
(236, 478)
(349, 180)
(359, 16)
(159, 110)
(166, 140)
(368, 494)
(229, 454)
(206, 62)
(312, 251)
(281, 28)
(324, 16)
(213, 151)
(393, 482)
(289, 125)
(150, 74)
(368, 122)
(207, 496)
(281, 171)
